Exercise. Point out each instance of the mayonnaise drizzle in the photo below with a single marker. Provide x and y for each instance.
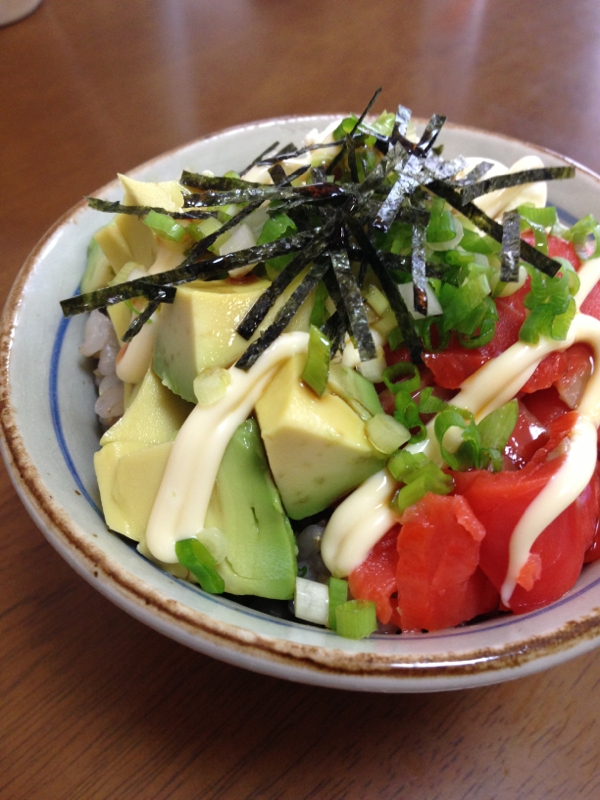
(494, 384)
(180, 507)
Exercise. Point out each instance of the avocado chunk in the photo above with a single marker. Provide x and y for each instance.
(317, 447)
(198, 330)
(246, 507)
(98, 271)
(134, 455)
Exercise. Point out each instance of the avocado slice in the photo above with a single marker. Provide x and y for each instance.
(98, 271)
(245, 505)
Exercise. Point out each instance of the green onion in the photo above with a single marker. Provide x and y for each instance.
(199, 230)
(441, 227)
(551, 305)
(402, 368)
(195, 557)
(316, 370)
(356, 390)
(338, 594)
(356, 619)
(544, 217)
(495, 431)
(420, 476)
(385, 433)
(395, 338)
(467, 454)
(319, 314)
(211, 384)
(311, 601)
(165, 226)
(277, 227)
(579, 232)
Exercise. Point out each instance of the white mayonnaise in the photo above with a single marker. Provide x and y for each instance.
(180, 507)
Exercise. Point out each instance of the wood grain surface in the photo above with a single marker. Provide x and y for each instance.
(92, 703)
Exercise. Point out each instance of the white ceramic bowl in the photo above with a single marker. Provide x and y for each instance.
(49, 434)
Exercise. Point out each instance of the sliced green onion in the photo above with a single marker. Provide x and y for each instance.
(495, 431)
(311, 601)
(545, 217)
(579, 232)
(200, 230)
(165, 226)
(211, 384)
(407, 414)
(338, 594)
(395, 338)
(319, 314)
(551, 305)
(467, 454)
(316, 369)
(356, 619)
(377, 300)
(420, 476)
(385, 433)
(356, 390)
(195, 557)
(401, 369)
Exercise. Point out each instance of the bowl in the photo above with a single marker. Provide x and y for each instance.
(49, 434)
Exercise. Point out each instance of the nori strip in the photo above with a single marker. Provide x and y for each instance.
(186, 272)
(277, 173)
(430, 134)
(528, 253)
(475, 174)
(354, 305)
(142, 318)
(317, 191)
(259, 158)
(219, 183)
(261, 307)
(418, 270)
(297, 153)
(333, 164)
(110, 207)
(284, 316)
(511, 246)
(474, 190)
(397, 304)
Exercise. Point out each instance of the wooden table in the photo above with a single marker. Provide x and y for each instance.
(92, 703)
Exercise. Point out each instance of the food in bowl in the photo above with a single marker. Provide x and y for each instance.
(420, 400)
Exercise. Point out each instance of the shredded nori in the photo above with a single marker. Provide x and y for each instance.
(474, 190)
(511, 246)
(338, 222)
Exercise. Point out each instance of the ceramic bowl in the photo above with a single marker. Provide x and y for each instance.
(49, 434)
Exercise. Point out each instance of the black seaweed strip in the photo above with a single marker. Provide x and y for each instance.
(277, 173)
(297, 153)
(418, 270)
(140, 211)
(430, 134)
(511, 246)
(194, 180)
(139, 321)
(389, 209)
(475, 190)
(396, 301)
(491, 227)
(283, 318)
(318, 175)
(475, 174)
(354, 305)
(319, 191)
(358, 122)
(263, 304)
(188, 271)
(202, 246)
(259, 158)
(352, 158)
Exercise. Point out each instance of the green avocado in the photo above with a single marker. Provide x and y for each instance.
(198, 330)
(317, 447)
(245, 505)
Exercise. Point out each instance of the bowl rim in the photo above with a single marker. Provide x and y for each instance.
(283, 658)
